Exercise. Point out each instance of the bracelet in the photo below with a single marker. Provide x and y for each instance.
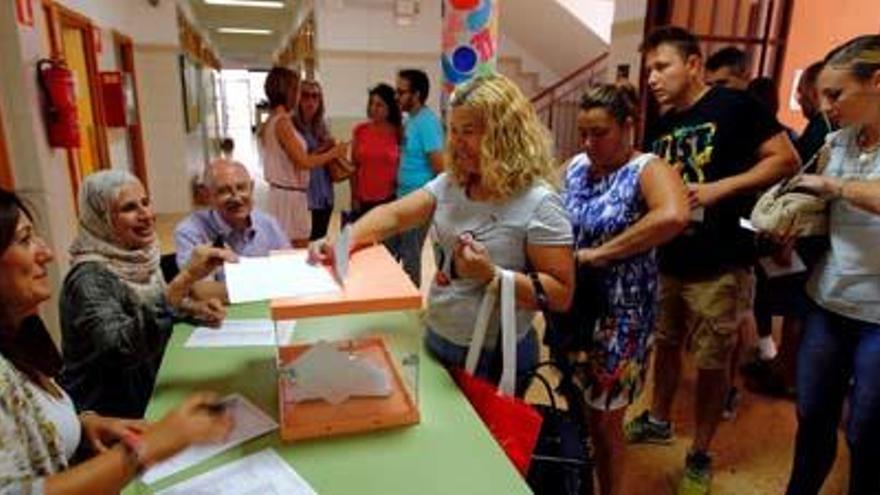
(135, 451)
(540, 293)
(494, 284)
(838, 194)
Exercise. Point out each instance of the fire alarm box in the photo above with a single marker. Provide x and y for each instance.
(113, 93)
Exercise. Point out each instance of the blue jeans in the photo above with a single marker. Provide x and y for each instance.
(836, 351)
(407, 248)
(453, 356)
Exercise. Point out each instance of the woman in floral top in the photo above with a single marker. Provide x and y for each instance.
(622, 204)
(39, 427)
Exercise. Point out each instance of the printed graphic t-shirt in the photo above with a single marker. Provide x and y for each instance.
(717, 137)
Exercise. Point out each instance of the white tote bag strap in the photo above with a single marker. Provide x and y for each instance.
(482, 324)
(507, 384)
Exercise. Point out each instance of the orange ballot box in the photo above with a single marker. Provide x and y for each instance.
(375, 282)
(353, 384)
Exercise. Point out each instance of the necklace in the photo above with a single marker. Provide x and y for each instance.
(867, 152)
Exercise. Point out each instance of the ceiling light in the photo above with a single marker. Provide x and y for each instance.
(266, 4)
(232, 30)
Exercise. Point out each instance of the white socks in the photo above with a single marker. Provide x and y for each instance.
(766, 348)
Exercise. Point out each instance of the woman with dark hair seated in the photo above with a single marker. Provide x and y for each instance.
(39, 427)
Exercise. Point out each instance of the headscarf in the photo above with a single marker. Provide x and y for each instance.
(139, 269)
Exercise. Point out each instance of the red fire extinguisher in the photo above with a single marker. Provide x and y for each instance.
(59, 97)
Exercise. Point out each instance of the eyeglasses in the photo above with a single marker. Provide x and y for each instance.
(310, 95)
(400, 92)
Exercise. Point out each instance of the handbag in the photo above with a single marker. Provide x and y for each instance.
(572, 330)
(340, 169)
(561, 462)
(513, 423)
(784, 209)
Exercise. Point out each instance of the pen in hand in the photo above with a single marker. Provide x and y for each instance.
(218, 407)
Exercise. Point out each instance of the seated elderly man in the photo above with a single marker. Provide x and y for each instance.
(231, 220)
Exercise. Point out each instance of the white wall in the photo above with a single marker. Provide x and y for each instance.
(553, 33)
(360, 46)
(135, 18)
(626, 36)
(508, 47)
(168, 148)
(40, 172)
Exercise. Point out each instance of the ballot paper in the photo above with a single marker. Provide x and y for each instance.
(747, 224)
(773, 269)
(242, 333)
(341, 254)
(324, 372)
(261, 473)
(250, 423)
(269, 277)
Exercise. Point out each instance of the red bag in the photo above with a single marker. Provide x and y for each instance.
(512, 422)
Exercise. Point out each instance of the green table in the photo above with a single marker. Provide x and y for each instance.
(449, 453)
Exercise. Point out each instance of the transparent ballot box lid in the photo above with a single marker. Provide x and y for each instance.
(351, 361)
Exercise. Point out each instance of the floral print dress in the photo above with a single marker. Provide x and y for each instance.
(601, 208)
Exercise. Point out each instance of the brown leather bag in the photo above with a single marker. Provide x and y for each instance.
(340, 170)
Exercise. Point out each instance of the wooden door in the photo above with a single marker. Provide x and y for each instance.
(72, 39)
(125, 56)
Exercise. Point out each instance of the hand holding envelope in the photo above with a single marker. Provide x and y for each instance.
(335, 252)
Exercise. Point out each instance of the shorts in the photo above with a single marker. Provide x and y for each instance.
(704, 314)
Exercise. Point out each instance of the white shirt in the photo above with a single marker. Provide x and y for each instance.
(62, 414)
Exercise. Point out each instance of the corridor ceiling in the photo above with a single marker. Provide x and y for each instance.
(245, 50)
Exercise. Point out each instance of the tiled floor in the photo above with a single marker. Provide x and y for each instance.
(752, 453)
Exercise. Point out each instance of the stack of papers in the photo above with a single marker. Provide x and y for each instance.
(270, 277)
(263, 473)
(250, 422)
(242, 333)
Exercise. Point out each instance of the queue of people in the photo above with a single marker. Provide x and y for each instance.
(656, 231)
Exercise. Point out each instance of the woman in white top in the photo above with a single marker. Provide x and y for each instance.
(39, 428)
(494, 207)
(286, 161)
(839, 355)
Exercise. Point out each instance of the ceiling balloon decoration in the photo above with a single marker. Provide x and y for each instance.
(470, 41)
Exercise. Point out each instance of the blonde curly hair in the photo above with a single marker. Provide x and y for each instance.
(516, 148)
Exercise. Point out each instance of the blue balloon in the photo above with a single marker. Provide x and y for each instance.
(477, 19)
(452, 75)
(464, 59)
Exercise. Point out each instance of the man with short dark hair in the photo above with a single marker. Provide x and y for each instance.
(421, 158)
(727, 147)
(728, 67)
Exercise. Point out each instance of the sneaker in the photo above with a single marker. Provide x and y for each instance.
(643, 429)
(697, 477)
(730, 404)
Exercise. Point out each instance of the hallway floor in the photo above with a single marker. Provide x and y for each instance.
(753, 452)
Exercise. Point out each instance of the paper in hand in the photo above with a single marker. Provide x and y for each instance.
(341, 254)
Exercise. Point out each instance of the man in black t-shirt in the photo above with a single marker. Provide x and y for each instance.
(727, 147)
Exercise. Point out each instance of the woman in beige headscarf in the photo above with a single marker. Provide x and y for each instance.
(116, 309)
